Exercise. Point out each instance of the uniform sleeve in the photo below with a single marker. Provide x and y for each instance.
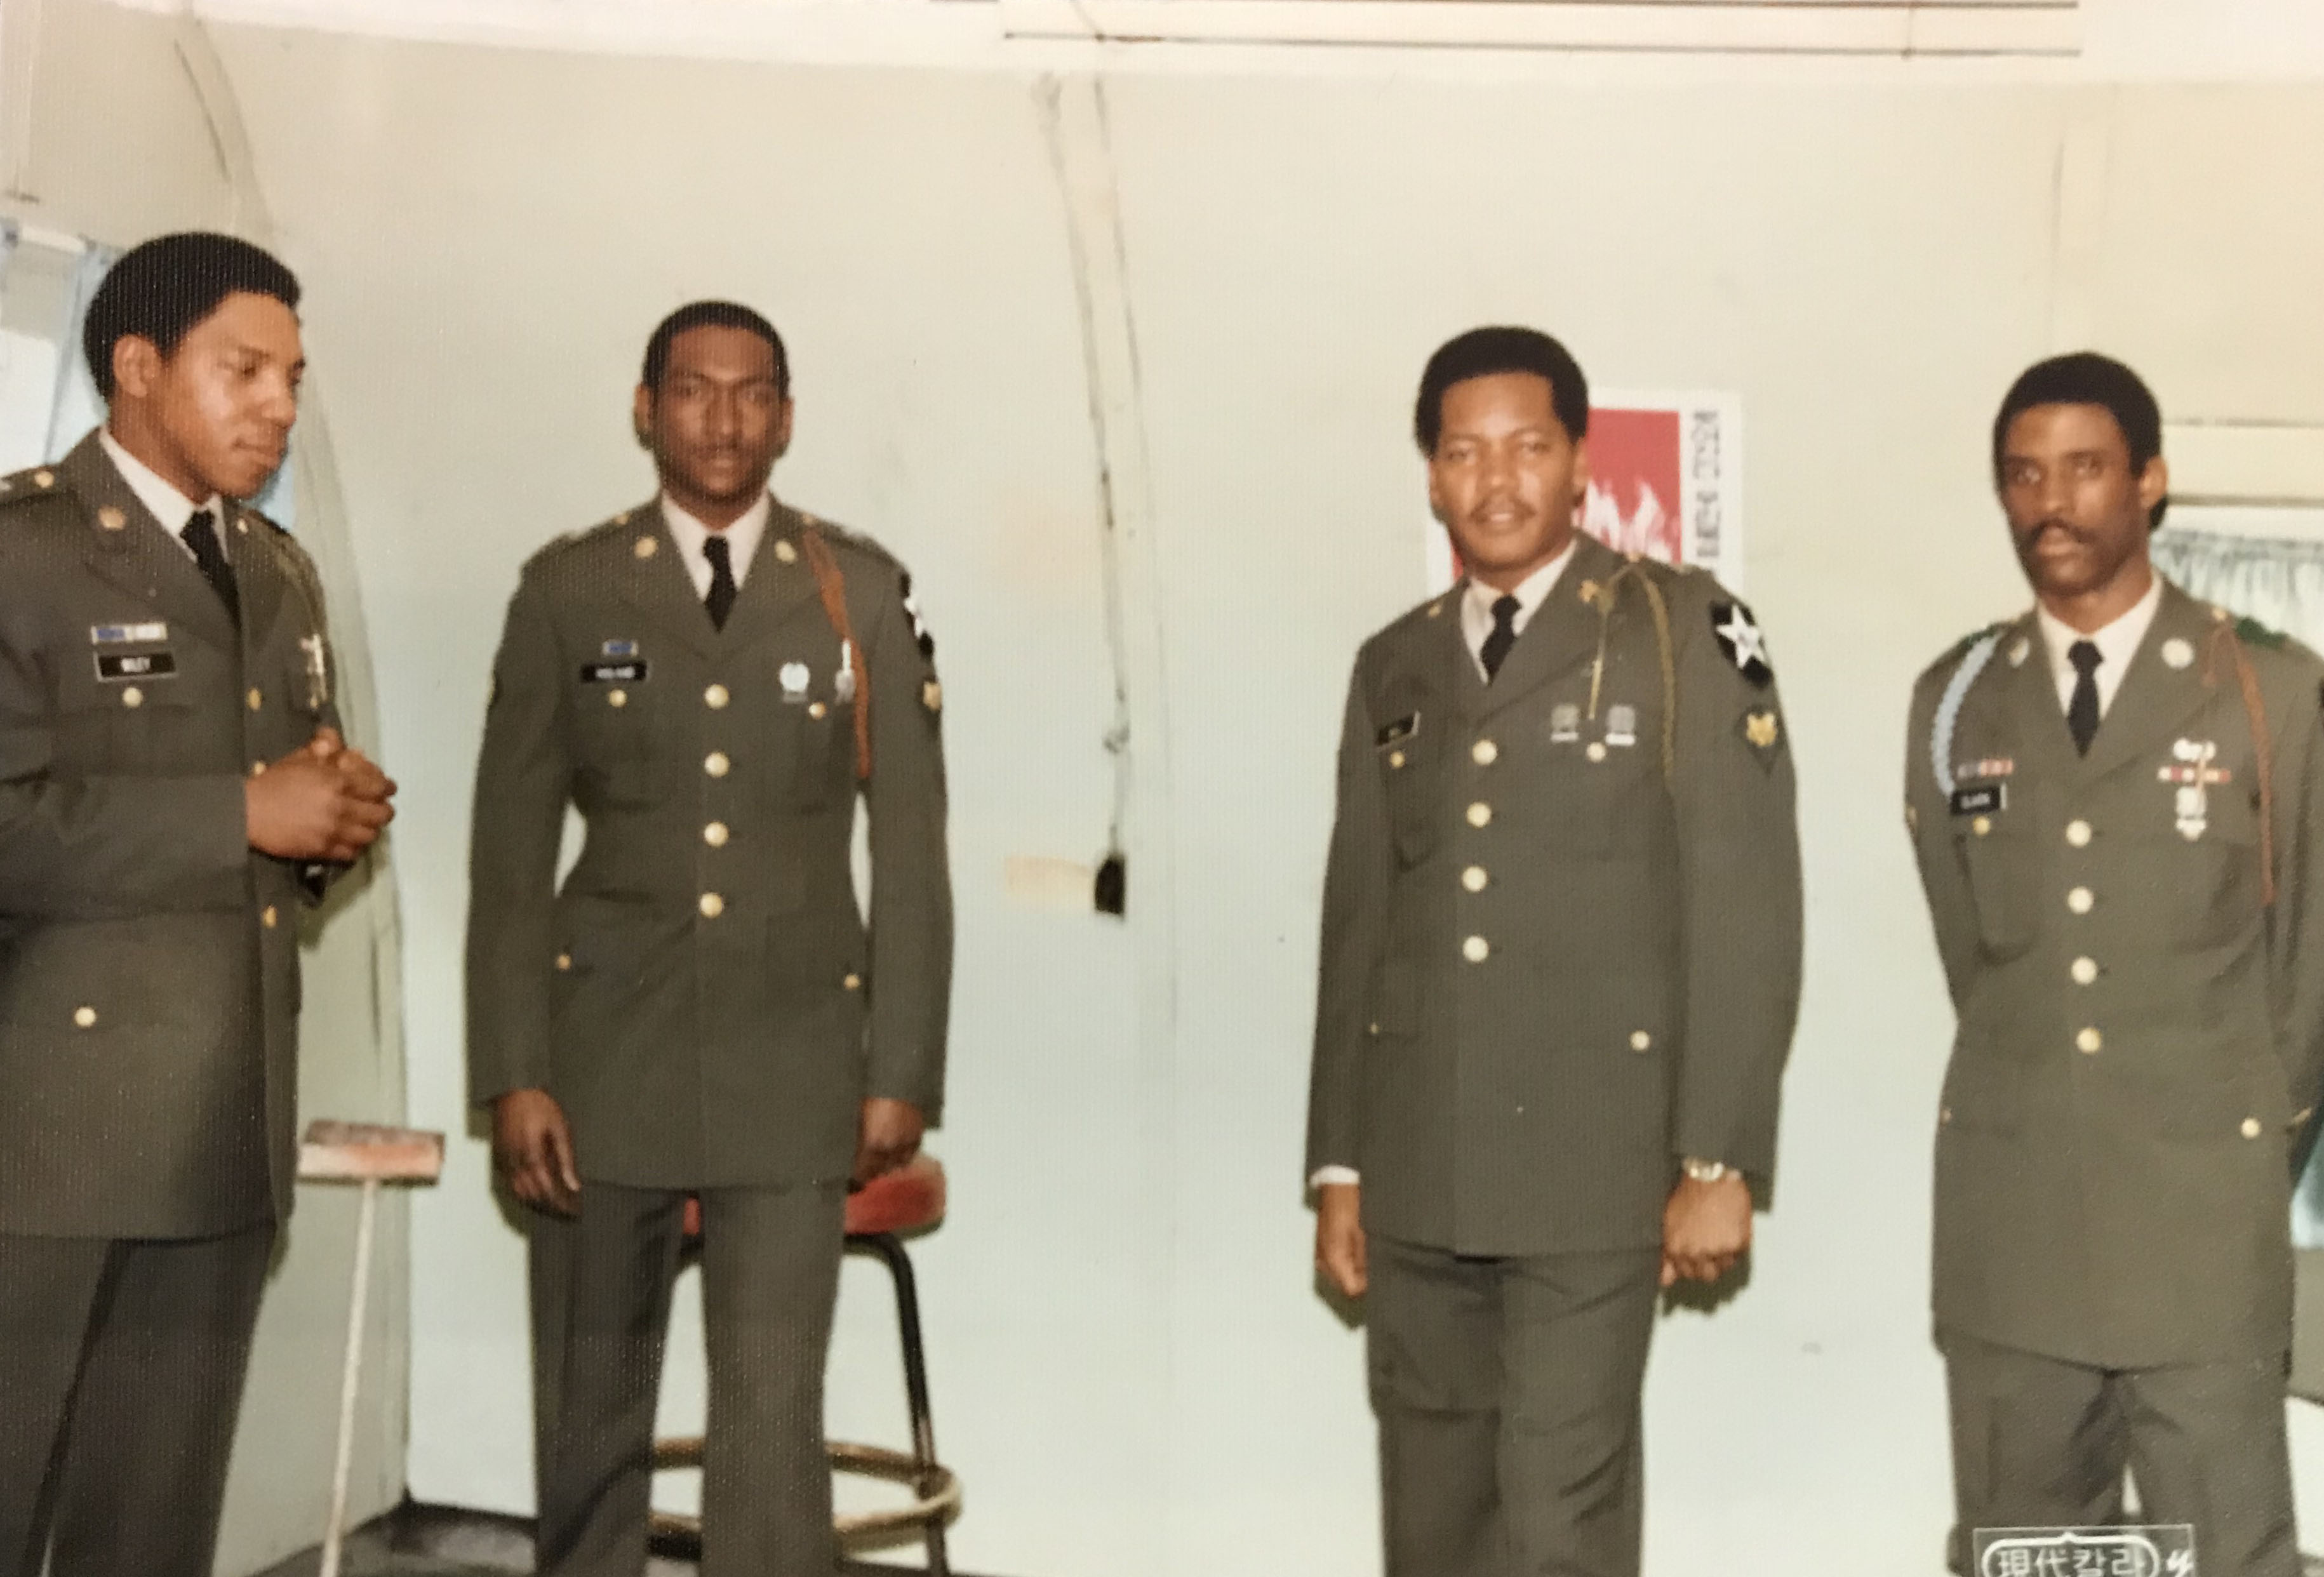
(1356, 878)
(523, 779)
(1928, 817)
(98, 846)
(1739, 875)
(911, 877)
(2296, 930)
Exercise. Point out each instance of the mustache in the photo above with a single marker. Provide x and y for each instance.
(2032, 535)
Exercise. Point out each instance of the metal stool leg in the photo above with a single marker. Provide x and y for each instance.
(891, 1250)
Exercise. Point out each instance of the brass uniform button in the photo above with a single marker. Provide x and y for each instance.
(617, 698)
(112, 519)
(2081, 899)
(1479, 814)
(784, 551)
(44, 479)
(2085, 971)
(2077, 833)
(257, 769)
(715, 698)
(1476, 950)
(1597, 751)
(1484, 752)
(1396, 757)
(2088, 1042)
(646, 547)
(256, 700)
(2251, 1128)
(854, 982)
(712, 906)
(1945, 1115)
(1474, 878)
(1981, 825)
(714, 835)
(268, 917)
(815, 709)
(1640, 1041)
(85, 1017)
(132, 697)
(716, 764)
(564, 962)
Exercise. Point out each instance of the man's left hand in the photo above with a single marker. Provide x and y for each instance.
(1706, 1227)
(889, 1138)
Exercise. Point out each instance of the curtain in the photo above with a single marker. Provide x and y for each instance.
(2278, 580)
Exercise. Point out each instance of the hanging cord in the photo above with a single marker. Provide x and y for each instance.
(2262, 745)
(1605, 601)
(832, 587)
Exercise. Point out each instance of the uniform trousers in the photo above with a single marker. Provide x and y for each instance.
(601, 1293)
(1507, 1393)
(121, 1371)
(2043, 1442)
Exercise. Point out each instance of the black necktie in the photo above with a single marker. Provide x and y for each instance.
(721, 600)
(201, 535)
(1501, 637)
(2082, 711)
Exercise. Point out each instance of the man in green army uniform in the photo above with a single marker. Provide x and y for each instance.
(172, 783)
(711, 678)
(2116, 806)
(1560, 969)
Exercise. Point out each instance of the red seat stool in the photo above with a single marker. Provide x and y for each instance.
(906, 1200)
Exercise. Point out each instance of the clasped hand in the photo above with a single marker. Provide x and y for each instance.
(325, 801)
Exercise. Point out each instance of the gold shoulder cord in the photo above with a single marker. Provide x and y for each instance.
(832, 587)
(1605, 601)
(2262, 745)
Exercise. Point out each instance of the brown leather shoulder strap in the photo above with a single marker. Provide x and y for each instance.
(831, 585)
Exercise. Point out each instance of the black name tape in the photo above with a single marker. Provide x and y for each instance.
(1397, 733)
(114, 667)
(632, 672)
(1983, 799)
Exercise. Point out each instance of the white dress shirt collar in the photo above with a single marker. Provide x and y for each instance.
(166, 506)
(2117, 643)
(1477, 601)
(743, 539)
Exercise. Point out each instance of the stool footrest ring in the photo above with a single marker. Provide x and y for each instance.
(935, 1488)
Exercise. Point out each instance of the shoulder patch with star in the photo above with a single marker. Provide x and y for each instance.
(1741, 641)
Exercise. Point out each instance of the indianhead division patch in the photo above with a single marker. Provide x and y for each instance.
(1742, 643)
(1763, 731)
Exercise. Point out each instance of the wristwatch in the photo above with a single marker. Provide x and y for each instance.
(1701, 1171)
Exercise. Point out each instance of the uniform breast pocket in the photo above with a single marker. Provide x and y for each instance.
(2002, 872)
(132, 723)
(820, 739)
(1411, 767)
(2217, 873)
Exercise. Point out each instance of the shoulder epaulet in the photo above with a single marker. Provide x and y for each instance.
(556, 546)
(1962, 648)
(23, 486)
(841, 536)
(2251, 633)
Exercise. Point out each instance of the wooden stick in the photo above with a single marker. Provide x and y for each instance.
(334, 1531)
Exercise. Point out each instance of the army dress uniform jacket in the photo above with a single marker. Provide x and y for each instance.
(702, 996)
(149, 957)
(2141, 1031)
(1561, 935)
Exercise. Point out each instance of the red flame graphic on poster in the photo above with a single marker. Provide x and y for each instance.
(1634, 504)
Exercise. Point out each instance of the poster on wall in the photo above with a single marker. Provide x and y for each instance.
(1666, 481)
